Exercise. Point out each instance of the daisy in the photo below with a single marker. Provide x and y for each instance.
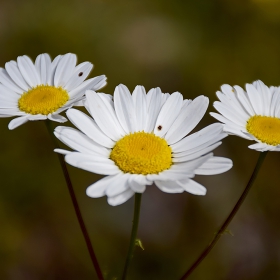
(253, 114)
(43, 90)
(139, 139)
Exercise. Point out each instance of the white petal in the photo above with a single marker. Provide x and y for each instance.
(57, 118)
(244, 100)
(229, 113)
(79, 74)
(135, 186)
(90, 84)
(98, 189)
(193, 155)
(169, 186)
(104, 115)
(38, 117)
(28, 71)
(62, 151)
(95, 164)
(88, 126)
(212, 133)
(141, 109)
(266, 96)
(79, 141)
(154, 106)
(192, 187)
(255, 99)
(189, 117)
(52, 70)
(15, 75)
(121, 198)
(8, 82)
(64, 69)
(261, 147)
(43, 66)
(118, 186)
(168, 113)
(17, 122)
(124, 108)
(214, 165)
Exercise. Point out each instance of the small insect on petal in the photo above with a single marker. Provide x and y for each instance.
(159, 127)
(81, 74)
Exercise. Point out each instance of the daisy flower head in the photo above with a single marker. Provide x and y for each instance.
(42, 90)
(139, 139)
(253, 114)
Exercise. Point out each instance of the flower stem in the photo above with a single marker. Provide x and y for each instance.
(229, 218)
(137, 204)
(75, 204)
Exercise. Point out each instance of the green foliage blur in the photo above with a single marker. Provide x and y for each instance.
(188, 46)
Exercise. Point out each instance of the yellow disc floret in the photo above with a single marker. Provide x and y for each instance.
(43, 99)
(142, 153)
(266, 129)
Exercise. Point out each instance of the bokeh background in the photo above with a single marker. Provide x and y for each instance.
(188, 46)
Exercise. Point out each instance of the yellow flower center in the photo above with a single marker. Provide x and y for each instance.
(43, 99)
(266, 129)
(142, 153)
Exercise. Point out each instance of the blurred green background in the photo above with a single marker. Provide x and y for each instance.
(188, 46)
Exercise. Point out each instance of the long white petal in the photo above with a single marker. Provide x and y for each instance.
(192, 187)
(8, 82)
(124, 108)
(154, 106)
(17, 122)
(94, 164)
(98, 188)
(118, 186)
(189, 117)
(43, 66)
(169, 186)
(64, 70)
(15, 75)
(28, 71)
(104, 115)
(168, 114)
(79, 141)
(140, 106)
(121, 198)
(214, 165)
(88, 126)
(79, 74)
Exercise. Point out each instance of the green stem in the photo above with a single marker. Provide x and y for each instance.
(137, 204)
(229, 218)
(75, 204)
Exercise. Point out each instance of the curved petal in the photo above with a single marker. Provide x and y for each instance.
(192, 187)
(98, 188)
(88, 126)
(140, 106)
(169, 186)
(124, 108)
(43, 65)
(8, 82)
(94, 164)
(214, 165)
(15, 75)
(28, 71)
(64, 70)
(121, 198)
(168, 113)
(190, 115)
(17, 122)
(118, 186)
(104, 115)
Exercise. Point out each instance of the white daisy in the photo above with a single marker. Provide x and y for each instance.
(43, 90)
(139, 139)
(253, 114)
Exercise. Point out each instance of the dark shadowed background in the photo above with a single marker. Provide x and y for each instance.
(188, 46)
